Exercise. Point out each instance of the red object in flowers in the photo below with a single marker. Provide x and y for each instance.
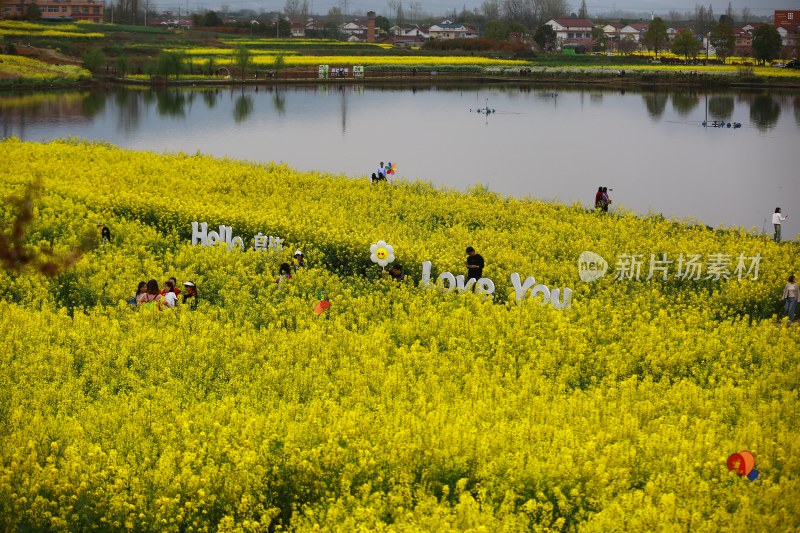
(741, 462)
(322, 306)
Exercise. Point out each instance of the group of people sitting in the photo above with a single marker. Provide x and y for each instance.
(286, 271)
(149, 296)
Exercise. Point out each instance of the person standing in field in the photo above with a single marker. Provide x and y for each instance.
(170, 299)
(175, 288)
(777, 218)
(381, 172)
(474, 264)
(140, 289)
(605, 200)
(791, 292)
(105, 234)
(190, 294)
(150, 299)
(299, 260)
(284, 273)
(396, 272)
(598, 199)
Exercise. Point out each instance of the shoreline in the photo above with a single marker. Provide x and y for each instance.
(629, 79)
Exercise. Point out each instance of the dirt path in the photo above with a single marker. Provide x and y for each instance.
(47, 55)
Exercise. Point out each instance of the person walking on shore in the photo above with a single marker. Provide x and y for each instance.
(777, 218)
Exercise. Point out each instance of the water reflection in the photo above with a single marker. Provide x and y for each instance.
(129, 109)
(93, 103)
(656, 104)
(279, 102)
(242, 107)
(764, 112)
(720, 107)
(171, 103)
(684, 103)
(797, 109)
(210, 97)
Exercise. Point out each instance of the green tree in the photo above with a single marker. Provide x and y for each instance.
(212, 19)
(516, 27)
(279, 64)
(583, 12)
(122, 65)
(626, 45)
(656, 35)
(685, 44)
(545, 37)
(242, 57)
(496, 30)
(766, 43)
(170, 63)
(211, 65)
(723, 39)
(599, 40)
(382, 23)
(94, 60)
(33, 12)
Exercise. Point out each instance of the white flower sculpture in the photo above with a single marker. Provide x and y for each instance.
(381, 253)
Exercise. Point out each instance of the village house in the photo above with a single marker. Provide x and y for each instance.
(573, 31)
(451, 30)
(86, 10)
(410, 30)
(634, 31)
(355, 30)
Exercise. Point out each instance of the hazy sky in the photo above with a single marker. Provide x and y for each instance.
(440, 7)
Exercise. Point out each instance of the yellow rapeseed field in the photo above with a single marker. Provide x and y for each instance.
(13, 67)
(402, 407)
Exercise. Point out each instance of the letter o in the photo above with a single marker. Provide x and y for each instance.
(451, 281)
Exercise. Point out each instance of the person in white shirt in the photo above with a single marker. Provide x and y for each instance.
(777, 218)
(170, 298)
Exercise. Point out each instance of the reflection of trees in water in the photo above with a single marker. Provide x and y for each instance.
(93, 102)
(128, 109)
(210, 97)
(796, 105)
(190, 96)
(764, 112)
(279, 101)
(656, 104)
(170, 103)
(684, 103)
(242, 107)
(721, 107)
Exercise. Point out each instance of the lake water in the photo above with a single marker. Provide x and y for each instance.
(561, 143)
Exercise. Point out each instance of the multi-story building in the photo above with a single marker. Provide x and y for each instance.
(88, 10)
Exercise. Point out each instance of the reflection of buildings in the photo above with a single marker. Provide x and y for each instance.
(88, 10)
